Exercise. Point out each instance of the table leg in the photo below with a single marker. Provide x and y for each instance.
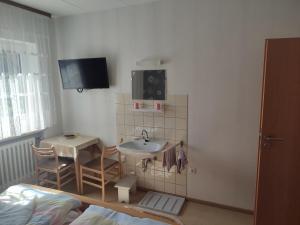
(76, 163)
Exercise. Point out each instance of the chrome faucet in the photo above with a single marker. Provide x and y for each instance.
(146, 138)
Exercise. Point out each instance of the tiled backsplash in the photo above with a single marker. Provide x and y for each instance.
(171, 125)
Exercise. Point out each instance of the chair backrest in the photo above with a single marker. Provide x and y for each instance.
(110, 151)
(44, 153)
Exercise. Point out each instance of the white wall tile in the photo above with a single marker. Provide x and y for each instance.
(138, 120)
(181, 135)
(159, 121)
(140, 181)
(170, 177)
(181, 112)
(128, 109)
(181, 178)
(138, 131)
(129, 119)
(180, 190)
(170, 134)
(130, 160)
(159, 186)
(170, 188)
(160, 125)
(181, 100)
(139, 171)
(148, 121)
(170, 123)
(149, 183)
(159, 175)
(150, 114)
(150, 173)
(181, 124)
(159, 156)
(170, 111)
(129, 130)
(159, 133)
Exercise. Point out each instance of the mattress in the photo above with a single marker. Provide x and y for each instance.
(97, 215)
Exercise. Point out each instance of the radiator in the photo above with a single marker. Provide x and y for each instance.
(16, 162)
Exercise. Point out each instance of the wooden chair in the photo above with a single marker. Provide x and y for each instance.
(102, 170)
(48, 163)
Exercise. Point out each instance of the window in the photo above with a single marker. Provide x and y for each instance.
(24, 89)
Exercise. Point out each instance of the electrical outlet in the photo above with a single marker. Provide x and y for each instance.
(193, 170)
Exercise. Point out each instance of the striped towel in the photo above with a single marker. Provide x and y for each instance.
(181, 160)
(169, 158)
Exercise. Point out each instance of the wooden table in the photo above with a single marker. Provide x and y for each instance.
(70, 147)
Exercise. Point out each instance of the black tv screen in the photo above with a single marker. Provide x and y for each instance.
(86, 73)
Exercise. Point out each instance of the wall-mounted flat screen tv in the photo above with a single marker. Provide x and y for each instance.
(86, 73)
(148, 84)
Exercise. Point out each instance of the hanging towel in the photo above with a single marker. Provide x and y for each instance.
(181, 160)
(169, 158)
(145, 163)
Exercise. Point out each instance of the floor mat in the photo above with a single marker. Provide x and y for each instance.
(162, 202)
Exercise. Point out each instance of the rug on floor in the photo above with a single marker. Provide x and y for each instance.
(162, 202)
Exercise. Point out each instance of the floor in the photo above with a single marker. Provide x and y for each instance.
(192, 214)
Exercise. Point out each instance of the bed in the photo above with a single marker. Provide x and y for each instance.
(34, 205)
(95, 215)
(23, 204)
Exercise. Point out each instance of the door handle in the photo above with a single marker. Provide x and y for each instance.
(272, 139)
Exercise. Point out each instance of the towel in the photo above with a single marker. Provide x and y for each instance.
(145, 163)
(169, 158)
(181, 160)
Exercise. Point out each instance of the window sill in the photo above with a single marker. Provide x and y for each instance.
(37, 133)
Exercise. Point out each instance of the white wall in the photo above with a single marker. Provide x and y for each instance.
(214, 52)
(57, 127)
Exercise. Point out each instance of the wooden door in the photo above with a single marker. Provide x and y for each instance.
(278, 182)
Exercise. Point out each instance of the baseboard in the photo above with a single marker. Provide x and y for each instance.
(208, 203)
(221, 206)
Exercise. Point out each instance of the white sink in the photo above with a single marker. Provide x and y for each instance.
(140, 146)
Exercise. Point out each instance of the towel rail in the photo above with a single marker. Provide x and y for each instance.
(168, 148)
(172, 146)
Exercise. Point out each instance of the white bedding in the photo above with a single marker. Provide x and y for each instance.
(96, 215)
(23, 205)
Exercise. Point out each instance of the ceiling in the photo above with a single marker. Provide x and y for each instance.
(71, 7)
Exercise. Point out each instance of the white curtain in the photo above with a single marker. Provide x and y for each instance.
(26, 102)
